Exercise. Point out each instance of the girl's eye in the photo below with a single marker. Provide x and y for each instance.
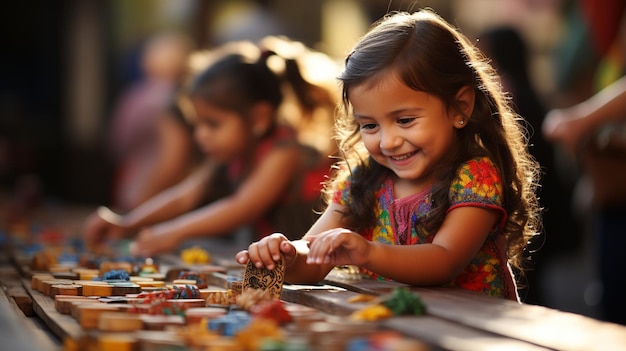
(368, 126)
(405, 120)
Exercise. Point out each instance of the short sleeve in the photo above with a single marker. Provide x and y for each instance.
(479, 184)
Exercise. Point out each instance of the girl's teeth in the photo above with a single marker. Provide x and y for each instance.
(403, 157)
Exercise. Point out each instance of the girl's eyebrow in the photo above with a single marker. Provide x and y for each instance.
(393, 113)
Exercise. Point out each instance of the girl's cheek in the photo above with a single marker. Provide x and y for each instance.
(371, 144)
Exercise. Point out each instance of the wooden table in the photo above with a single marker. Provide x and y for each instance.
(454, 320)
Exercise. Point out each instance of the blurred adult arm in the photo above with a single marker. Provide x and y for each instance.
(570, 126)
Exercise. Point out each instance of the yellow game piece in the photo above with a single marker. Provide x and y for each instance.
(150, 284)
(196, 315)
(149, 266)
(86, 273)
(97, 289)
(117, 342)
(372, 313)
(195, 255)
(88, 314)
(119, 322)
(184, 282)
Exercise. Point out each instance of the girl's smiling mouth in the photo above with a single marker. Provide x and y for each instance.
(403, 157)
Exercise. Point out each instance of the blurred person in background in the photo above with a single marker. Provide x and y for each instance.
(256, 173)
(591, 132)
(149, 138)
(594, 133)
(509, 54)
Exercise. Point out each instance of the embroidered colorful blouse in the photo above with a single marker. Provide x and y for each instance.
(398, 221)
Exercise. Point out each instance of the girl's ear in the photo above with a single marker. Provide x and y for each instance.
(262, 118)
(464, 98)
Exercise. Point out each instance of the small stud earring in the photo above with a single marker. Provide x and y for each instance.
(462, 122)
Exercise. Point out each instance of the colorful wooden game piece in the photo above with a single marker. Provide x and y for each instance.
(124, 288)
(46, 285)
(119, 322)
(63, 303)
(196, 314)
(95, 288)
(36, 280)
(161, 322)
(113, 266)
(66, 289)
(87, 314)
(117, 342)
(195, 255)
(217, 297)
(86, 273)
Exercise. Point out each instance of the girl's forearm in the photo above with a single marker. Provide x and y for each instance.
(424, 264)
(218, 218)
(170, 203)
(301, 272)
(156, 210)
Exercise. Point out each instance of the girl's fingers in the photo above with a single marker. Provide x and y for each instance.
(320, 248)
(242, 257)
(262, 253)
(266, 256)
(274, 246)
(290, 250)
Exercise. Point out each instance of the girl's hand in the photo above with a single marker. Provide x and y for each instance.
(338, 247)
(267, 251)
(152, 241)
(101, 226)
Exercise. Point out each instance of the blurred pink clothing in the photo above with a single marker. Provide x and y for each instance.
(134, 140)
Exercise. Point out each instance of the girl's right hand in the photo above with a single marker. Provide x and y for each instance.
(267, 251)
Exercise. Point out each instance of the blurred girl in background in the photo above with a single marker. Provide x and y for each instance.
(256, 172)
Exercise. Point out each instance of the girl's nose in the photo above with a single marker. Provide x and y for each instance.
(389, 140)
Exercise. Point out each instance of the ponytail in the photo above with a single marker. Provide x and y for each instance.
(310, 96)
(315, 103)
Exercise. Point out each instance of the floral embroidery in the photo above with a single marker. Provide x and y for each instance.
(478, 180)
(477, 184)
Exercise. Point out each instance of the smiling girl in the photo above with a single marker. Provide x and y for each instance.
(436, 186)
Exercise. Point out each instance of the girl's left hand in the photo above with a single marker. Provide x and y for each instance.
(151, 241)
(338, 247)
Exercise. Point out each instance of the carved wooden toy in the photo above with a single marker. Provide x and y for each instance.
(265, 279)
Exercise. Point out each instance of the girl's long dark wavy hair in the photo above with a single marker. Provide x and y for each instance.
(432, 56)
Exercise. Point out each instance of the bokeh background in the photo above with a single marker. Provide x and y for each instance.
(63, 63)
